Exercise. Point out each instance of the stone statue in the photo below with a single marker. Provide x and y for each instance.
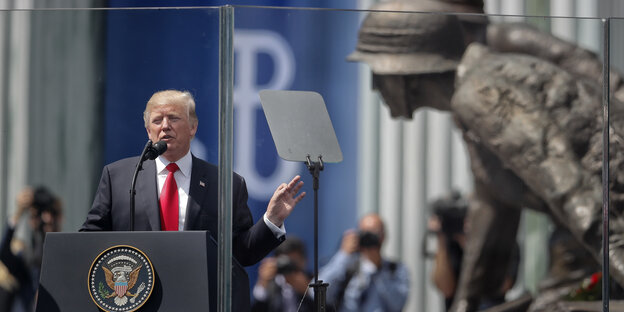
(529, 107)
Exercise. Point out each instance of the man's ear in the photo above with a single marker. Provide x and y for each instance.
(193, 129)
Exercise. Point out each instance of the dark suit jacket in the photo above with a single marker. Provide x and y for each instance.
(111, 208)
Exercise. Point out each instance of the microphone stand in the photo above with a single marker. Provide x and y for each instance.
(320, 288)
(138, 168)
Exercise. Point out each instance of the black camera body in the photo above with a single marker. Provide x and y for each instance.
(451, 212)
(285, 265)
(43, 201)
(369, 239)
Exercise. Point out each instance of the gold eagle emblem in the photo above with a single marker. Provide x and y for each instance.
(121, 276)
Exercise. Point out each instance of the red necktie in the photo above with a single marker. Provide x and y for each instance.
(169, 204)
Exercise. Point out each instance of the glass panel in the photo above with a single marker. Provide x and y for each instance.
(286, 49)
(614, 134)
(87, 89)
(523, 128)
(73, 88)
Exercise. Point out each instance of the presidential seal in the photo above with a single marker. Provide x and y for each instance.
(121, 279)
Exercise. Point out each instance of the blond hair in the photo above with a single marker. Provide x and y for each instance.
(174, 97)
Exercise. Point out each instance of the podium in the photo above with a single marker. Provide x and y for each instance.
(184, 271)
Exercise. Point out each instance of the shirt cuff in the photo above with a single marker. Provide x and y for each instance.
(279, 232)
(260, 293)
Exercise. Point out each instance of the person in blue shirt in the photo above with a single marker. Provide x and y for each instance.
(359, 278)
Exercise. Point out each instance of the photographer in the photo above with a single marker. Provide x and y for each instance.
(282, 281)
(448, 224)
(360, 278)
(23, 259)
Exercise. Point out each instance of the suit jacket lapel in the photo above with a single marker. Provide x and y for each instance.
(197, 192)
(147, 201)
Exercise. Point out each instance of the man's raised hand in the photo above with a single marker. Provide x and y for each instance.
(284, 200)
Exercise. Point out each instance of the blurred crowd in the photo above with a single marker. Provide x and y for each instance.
(359, 277)
(37, 212)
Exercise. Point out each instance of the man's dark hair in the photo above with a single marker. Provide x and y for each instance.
(291, 244)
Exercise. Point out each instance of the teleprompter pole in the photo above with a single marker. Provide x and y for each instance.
(320, 288)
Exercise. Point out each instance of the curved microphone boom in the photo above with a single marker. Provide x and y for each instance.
(150, 151)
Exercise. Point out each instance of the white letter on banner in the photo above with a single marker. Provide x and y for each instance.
(248, 44)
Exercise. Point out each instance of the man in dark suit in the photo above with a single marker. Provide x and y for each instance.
(184, 197)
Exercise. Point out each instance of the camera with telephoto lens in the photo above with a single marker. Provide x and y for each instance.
(286, 265)
(44, 201)
(369, 239)
(451, 211)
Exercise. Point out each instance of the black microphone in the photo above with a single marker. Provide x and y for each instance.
(154, 150)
